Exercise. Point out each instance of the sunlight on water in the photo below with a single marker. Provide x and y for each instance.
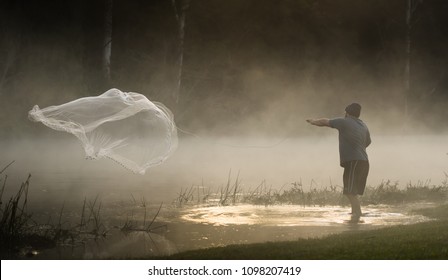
(204, 227)
(289, 215)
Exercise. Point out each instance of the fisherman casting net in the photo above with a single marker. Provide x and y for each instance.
(123, 126)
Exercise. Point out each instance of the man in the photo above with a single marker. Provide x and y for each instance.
(354, 138)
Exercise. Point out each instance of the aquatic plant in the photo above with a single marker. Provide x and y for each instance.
(229, 192)
(14, 218)
(131, 224)
(17, 230)
(185, 196)
(21, 236)
(295, 193)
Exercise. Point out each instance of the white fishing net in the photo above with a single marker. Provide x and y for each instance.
(123, 126)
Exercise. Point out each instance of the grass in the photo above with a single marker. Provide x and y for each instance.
(428, 240)
(386, 192)
(15, 229)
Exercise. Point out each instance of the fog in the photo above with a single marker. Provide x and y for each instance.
(60, 171)
(241, 78)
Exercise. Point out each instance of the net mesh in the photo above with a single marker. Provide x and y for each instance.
(123, 126)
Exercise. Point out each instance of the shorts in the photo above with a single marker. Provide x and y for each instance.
(355, 176)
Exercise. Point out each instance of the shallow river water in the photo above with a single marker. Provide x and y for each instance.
(198, 227)
(62, 178)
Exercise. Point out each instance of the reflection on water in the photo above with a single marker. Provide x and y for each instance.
(137, 244)
(204, 227)
(290, 215)
(116, 245)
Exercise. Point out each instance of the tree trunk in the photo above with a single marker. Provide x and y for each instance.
(185, 4)
(95, 54)
(6, 71)
(407, 69)
(411, 6)
(107, 49)
(11, 35)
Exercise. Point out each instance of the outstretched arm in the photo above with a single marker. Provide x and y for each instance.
(319, 122)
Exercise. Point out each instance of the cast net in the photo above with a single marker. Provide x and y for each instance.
(123, 126)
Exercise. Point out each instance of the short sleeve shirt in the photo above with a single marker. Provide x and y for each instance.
(354, 137)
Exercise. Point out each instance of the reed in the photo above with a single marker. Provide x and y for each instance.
(295, 193)
(16, 227)
(132, 225)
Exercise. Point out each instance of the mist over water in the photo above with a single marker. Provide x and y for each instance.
(58, 165)
(62, 179)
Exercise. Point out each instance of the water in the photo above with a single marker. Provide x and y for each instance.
(296, 216)
(61, 177)
(197, 227)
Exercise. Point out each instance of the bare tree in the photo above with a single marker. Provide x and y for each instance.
(107, 48)
(10, 41)
(9, 60)
(411, 7)
(180, 11)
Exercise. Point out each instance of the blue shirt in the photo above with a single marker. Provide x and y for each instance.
(354, 137)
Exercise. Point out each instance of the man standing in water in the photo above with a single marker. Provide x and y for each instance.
(354, 138)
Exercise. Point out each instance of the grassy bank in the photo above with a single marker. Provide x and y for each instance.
(427, 240)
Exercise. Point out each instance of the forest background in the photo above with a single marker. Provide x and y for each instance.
(252, 67)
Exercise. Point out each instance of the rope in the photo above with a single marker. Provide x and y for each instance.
(234, 146)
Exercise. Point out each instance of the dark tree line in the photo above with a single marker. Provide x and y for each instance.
(227, 61)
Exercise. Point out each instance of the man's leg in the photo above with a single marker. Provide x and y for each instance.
(356, 205)
(355, 177)
(350, 187)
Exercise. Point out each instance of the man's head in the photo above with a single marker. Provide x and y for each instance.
(353, 109)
